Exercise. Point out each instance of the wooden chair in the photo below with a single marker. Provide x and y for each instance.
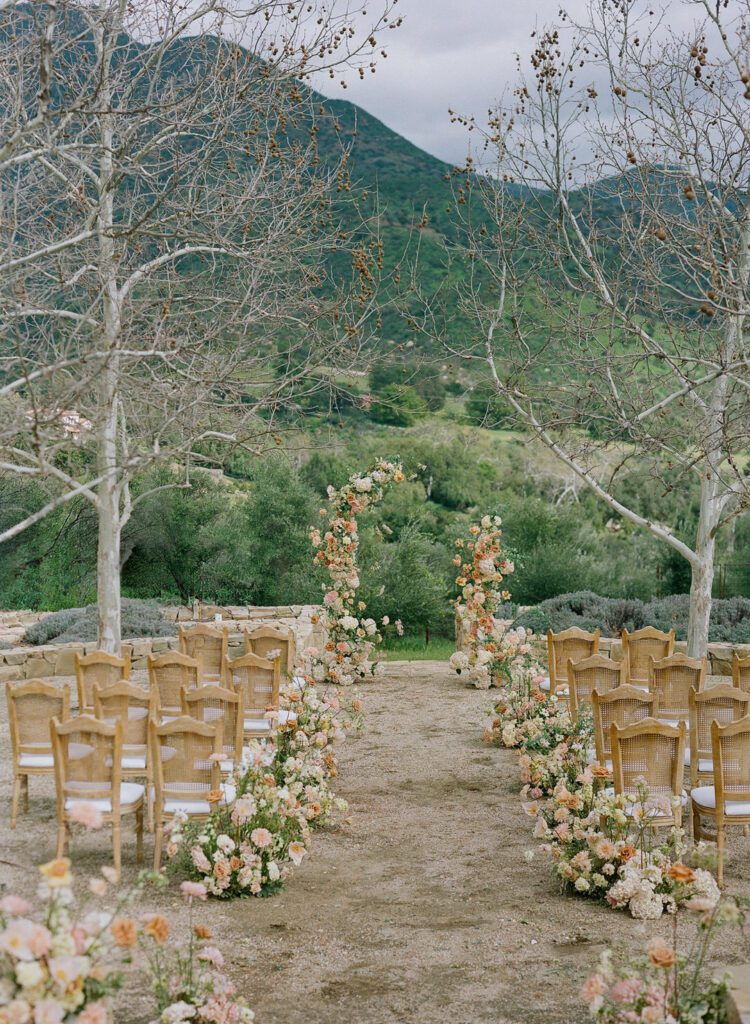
(741, 672)
(727, 801)
(97, 667)
(722, 704)
(31, 707)
(655, 752)
(572, 644)
(186, 755)
(641, 645)
(207, 645)
(217, 703)
(595, 673)
(259, 682)
(133, 706)
(670, 680)
(169, 674)
(264, 640)
(623, 706)
(88, 770)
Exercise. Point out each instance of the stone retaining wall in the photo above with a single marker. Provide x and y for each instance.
(26, 662)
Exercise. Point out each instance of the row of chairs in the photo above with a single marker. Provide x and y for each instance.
(203, 657)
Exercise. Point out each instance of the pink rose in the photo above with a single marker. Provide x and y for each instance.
(192, 890)
(261, 837)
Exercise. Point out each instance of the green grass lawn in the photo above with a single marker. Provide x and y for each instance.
(413, 648)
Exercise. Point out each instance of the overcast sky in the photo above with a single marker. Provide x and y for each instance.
(452, 53)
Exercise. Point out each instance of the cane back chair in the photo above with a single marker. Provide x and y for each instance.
(622, 706)
(572, 644)
(722, 704)
(214, 704)
(88, 770)
(31, 707)
(670, 681)
(653, 752)
(727, 801)
(264, 640)
(259, 681)
(741, 672)
(168, 675)
(208, 645)
(641, 645)
(97, 667)
(595, 673)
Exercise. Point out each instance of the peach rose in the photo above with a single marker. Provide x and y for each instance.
(661, 954)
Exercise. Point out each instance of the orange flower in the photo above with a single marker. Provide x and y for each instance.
(681, 873)
(539, 696)
(200, 931)
(57, 872)
(600, 771)
(158, 928)
(214, 796)
(660, 954)
(124, 931)
(627, 852)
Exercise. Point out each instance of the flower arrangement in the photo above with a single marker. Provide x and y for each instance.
(494, 652)
(247, 848)
(63, 964)
(521, 714)
(666, 985)
(604, 846)
(352, 637)
(187, 979)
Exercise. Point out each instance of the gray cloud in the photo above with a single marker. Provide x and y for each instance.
(457, 54)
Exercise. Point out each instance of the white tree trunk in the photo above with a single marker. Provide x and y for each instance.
(702, 562)
(108, 569)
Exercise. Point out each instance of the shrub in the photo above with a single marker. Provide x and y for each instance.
(398, 406)
(730, 619)
(139, 618)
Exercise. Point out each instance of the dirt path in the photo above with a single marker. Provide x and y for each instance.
(422, 908)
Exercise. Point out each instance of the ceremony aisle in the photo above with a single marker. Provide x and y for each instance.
(423, 907)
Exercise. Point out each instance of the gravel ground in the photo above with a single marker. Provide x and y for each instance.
(421, 906)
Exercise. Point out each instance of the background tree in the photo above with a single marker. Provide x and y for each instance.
(610, 245)
(165, 242)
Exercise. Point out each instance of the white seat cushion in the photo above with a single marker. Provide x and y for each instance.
(199, 806)
(134, 762)
(130, 794)
(36, 761)
(705, 764)
(705, 796)
(257, 725)
(561, 691)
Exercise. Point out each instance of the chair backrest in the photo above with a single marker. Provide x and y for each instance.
(641, 645)
(218, 704)
(722, 704)
(169, 674)
(208, 646)
(264, 640)
(595, 673)
(88, 757)
(671, 679)
(572, 644)
(622, 706)
(731, 756)
(259, 681)
(31, 707)
(98, 667)
(741, 672)
(129, 704)
(186, 755)
(651, 751)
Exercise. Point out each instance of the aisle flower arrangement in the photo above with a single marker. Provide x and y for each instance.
(64, 962)
(248, 847)
(666, 985)
(494, 652)
(351, 636)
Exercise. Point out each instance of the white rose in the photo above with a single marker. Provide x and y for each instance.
(459, 661)
(348, 622)
(29, 974)
(273, 871)
(581, 885)
(178, 1012)
(363, 483)
(225, 843)
(370, 626)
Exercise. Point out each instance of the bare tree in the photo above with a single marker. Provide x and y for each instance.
(609, 241)
(166, 234)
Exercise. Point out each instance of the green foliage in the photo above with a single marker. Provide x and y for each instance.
(730, 619)
(139, 618)
(398, 405)
(483, 408)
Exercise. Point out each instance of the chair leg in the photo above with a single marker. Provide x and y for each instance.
(158, 838)
(720, 850)
(139, 835)
(16, 796)
(116, 847)
(62, 838)
(697, 835)
(25, 780)
(150, 801)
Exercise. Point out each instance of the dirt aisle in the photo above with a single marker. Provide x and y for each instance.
(422, 909)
